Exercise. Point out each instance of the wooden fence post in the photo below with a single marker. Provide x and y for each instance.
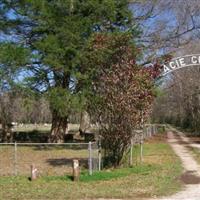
(33, 172)
(76, 170)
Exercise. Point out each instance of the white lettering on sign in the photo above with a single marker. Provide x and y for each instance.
(180, 62)
(194, 60)
(166, 69)
(172, 65)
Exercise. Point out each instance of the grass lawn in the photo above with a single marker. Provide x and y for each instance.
(158, 175)
(49, 159)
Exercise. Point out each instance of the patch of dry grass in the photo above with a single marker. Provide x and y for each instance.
(49, 159)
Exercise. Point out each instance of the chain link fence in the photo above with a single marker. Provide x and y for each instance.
(139, 136)
(53, 159)
(49, 158)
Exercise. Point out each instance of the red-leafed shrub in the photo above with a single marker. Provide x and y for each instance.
(122, 89)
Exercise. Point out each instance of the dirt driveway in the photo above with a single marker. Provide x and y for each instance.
(191, 176)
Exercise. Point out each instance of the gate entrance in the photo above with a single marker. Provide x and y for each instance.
(181, 62)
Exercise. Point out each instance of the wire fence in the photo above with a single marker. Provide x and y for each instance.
(49, 158)
(53, 159)
(139, 136)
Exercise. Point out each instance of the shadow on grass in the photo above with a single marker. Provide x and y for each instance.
(58, 178)
(38, 136)
(34, 136)
(83, 162)
(49, 147)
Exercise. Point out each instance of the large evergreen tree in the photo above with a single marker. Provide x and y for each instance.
(50, 36)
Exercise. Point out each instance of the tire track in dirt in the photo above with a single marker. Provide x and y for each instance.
(191, 169)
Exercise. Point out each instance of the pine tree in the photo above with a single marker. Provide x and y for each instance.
(47, 39)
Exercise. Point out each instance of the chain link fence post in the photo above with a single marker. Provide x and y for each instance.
(131, 153)
(15, 159)
(141, 148)
(99, 155)
(141, 152)
(90, 158)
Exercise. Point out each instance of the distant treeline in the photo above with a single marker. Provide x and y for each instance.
(32, 110)
(179, 101)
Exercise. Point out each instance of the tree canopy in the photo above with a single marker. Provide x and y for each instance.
(46, 39)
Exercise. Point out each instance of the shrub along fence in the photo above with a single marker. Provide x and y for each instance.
(52, 159)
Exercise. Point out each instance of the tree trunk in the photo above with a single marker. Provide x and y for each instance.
(6, 101)
(84, 123)
(59, 128)
(6, 133)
